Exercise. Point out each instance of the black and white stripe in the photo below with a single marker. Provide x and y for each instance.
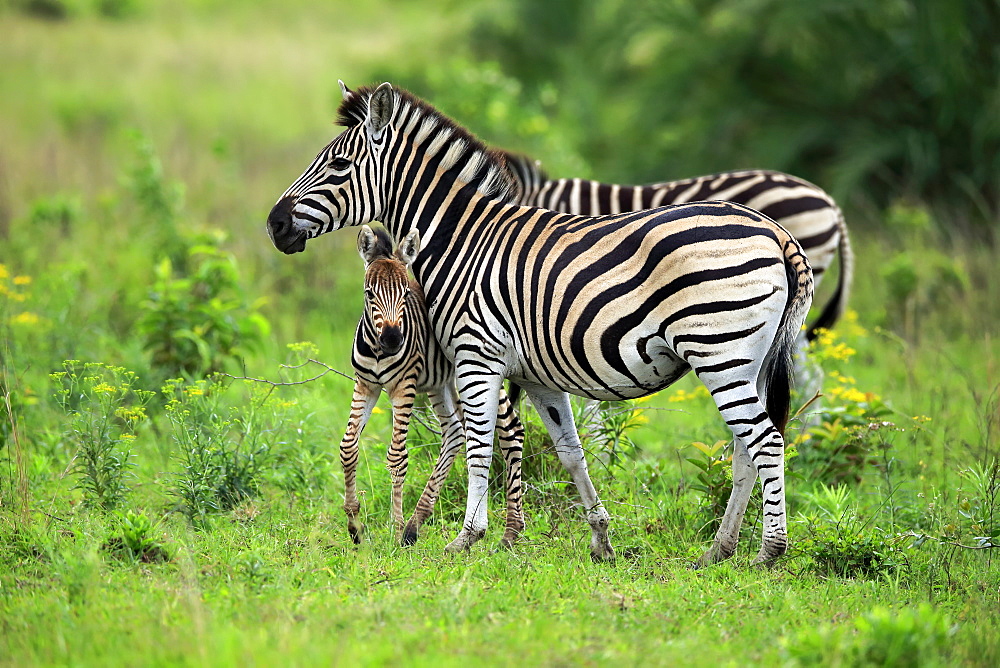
(395, 351)
(804, 209)
(610, 307)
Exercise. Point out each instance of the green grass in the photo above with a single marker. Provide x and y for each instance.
(232, 101)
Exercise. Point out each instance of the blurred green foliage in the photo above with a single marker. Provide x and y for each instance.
(871, 100)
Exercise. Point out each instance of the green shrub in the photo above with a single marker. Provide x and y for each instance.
(887, 98)
(200, 320)
(135, 540)
(225, 453)
(105, 408)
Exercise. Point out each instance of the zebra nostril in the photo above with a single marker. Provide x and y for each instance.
(280, 217)
(280, 229)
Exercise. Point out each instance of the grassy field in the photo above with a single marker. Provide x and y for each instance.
(144, 521)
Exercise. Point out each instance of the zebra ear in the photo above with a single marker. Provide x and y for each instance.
(345, 92)
(367, 244)
(408, 248)
(379, 110)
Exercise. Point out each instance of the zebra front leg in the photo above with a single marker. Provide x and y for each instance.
(402, 397)
(511, 434)
(728, 535)
(479, 392)
(452, 435)
(555, 411)
(364, 400)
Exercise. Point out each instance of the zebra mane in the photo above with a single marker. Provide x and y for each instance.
(521, 164)
(485, 167)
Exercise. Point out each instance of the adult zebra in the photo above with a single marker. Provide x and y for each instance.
(612, 307)
(802, 208)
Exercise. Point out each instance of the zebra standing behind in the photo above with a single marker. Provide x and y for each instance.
(395, 350)
(612, 307)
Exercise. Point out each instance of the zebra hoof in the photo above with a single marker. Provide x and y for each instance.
(602, 553)
(463, 541)
(356, 532)
(409, 536)
(714, 555)
(769, 554)
(508, 540)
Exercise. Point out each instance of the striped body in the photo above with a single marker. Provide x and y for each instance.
(805, 210)
(395, 351)
(605, 307)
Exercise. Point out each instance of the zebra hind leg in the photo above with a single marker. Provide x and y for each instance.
(744, 479)
(753, 429)
(554, 409)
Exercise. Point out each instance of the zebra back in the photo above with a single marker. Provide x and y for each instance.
(805, 210)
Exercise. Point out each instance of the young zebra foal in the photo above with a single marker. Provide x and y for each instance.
(395, 350)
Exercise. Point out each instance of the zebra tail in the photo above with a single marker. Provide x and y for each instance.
(834, 308)
(776, 375)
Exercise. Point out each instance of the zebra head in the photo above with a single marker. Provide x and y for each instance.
(387, 285)
(336, 190)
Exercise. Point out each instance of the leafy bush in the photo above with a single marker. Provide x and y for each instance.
(105, 408)
(225, 453)
(840, 542)
(848, 428)
(884, 97)
(197, 322)
(714, 481)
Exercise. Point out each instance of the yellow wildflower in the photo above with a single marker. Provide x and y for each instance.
(27, 318)
(3, 272)
(22, 280)
(194, 391)
(855, 395)
(104, 388)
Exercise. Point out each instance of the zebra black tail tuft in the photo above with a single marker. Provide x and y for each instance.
(778, 381)
(513, 391)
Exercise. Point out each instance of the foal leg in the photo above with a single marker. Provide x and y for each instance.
(364, 400)
(402, 398)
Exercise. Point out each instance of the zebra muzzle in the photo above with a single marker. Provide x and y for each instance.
(283, 234)
(390, 340)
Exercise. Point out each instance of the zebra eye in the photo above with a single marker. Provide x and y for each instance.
(341, 163)
(369, 294)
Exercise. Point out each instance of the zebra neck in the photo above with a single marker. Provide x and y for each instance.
(438, 212)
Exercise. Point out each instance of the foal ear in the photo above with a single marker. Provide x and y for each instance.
(408, 248)
(367, 244)
(379, 110)
(345, 92)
